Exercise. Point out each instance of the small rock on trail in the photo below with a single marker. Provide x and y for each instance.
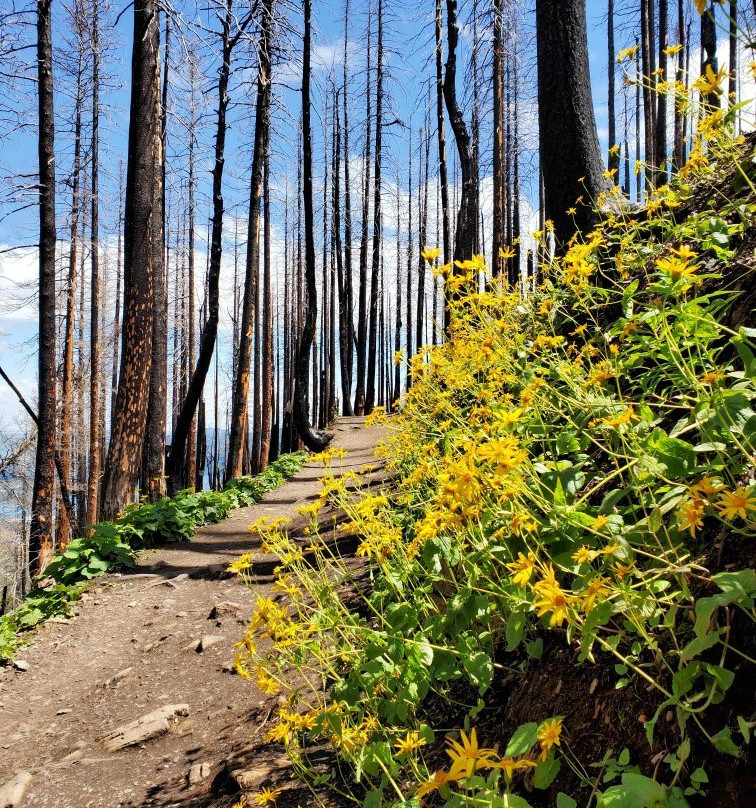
(13, 791)
(149, 726)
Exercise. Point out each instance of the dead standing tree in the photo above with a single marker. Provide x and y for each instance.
(239, 404)
(464, 237)
(127, 431)
(314, 440)
(570, 156)
(177, 455)
(41, 529)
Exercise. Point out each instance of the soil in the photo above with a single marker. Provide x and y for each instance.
(132, 647)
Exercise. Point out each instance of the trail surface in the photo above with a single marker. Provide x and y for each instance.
(158, 637)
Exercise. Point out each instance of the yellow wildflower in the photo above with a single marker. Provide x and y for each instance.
(267, 796)
(523, 568)
(689, 515)
(710, 81)
(737, 503)
(627, 53)
(439, 779)
(585, 555)
(597, 588)
(509, 766)
(467, 756)
(409, 743)
(430, 254)
(548, 735)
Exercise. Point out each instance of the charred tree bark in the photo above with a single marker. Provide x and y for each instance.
(177, 455)
(569, 147)
(122, 465)
(63, 531)
(464, 239)
(441, 133)
(377, 223)
(41, 528)
(153, 451)
(613, 161)
(710, 101)
(348, 284)
(660, 148)
(315, 441)
(267, 321)
(94, 312)
(362, 314)
(498, 139)
(410, 260)
(239, 406)
(678, 155)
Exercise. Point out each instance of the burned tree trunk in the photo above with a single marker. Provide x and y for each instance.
(464, 238)
(239, 418)
(315, 441)
(122, 465)
(377, 224)
(177, 455)
(569, 147)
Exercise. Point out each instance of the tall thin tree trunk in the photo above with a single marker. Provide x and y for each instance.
(647, 46)
(464, 239)
(117, 312)
(420, 319)
(398, 321)
(177, 456)
(314, 441)
(569, 147)
(94, 316)
(63, 528)
(153, 453)
(638, 136)
(122, 466)
(362, 314)
(677, 156)
(41, 528)
(377, 223)
(345, 324)
(498, 139)
(732, 89)
(348, 284)
(441, 133)
(410, 260)
(240, 397)
(660, 148)
(267, 323)
(613, 160)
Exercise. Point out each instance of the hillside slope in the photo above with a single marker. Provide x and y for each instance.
(561, 610)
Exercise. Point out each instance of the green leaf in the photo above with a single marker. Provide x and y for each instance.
(523, 738)
(546, 773)
(535, 648)
(677, 456)
(567, 442)
(565, 801)
(515, 630)
(745, 728)
(723, 742)
(374, 799)
(479, 668)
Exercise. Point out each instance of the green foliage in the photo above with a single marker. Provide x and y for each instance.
(571, 463)
(112, 545)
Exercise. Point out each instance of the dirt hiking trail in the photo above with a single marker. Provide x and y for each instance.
(149, 652)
